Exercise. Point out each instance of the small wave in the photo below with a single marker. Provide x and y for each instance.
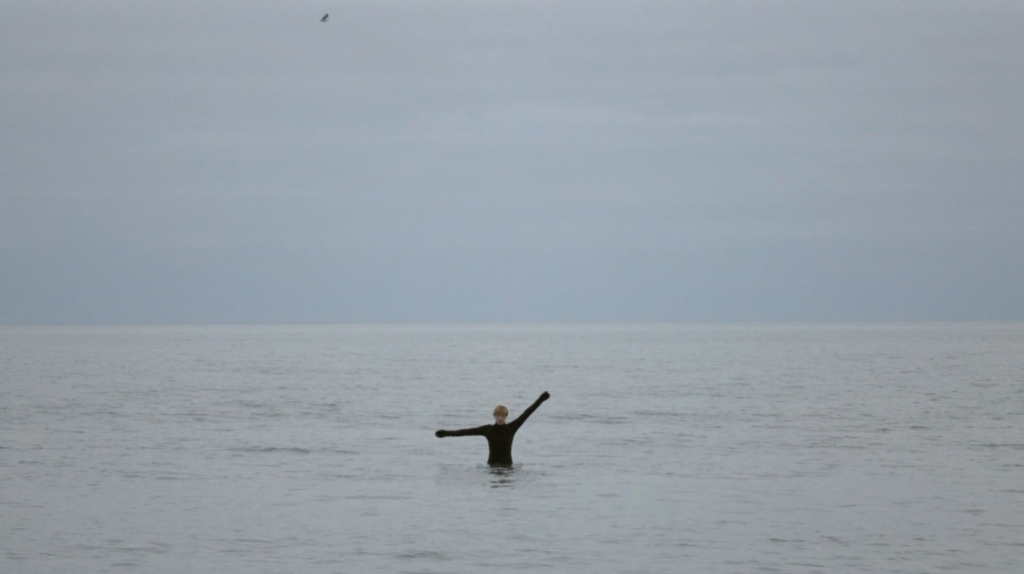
(271, 449)
(428, 554)
(611, 420)
(292, 449)
(339, 451)
(376, 497)
(653, 413)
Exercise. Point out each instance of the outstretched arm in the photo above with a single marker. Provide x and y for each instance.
(463, 432)
(529, 411)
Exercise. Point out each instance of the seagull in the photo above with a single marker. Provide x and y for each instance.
(324, 19)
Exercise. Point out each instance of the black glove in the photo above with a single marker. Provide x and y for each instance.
(441, 434)
(545, 396)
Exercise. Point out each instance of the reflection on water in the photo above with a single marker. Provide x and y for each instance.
(502, 476)
(481, 476)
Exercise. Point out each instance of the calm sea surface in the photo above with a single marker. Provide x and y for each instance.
(664, 449)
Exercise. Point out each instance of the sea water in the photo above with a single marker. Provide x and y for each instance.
(664, 448)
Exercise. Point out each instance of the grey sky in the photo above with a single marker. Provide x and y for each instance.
(469, 160)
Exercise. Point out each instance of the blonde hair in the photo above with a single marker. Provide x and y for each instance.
(500, 410)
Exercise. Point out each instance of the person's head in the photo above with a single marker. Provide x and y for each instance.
(500, 413)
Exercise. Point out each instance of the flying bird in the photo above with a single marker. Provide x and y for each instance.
(324, 19)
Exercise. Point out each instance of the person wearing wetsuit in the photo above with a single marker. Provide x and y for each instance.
(499, 435)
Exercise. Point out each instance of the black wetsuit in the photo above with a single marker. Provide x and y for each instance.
(499, 437)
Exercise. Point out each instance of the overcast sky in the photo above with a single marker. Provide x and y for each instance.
(510, 160)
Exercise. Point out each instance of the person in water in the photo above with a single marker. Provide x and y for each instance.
(499, 435)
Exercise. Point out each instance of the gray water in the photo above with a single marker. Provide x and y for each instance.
(664, 448)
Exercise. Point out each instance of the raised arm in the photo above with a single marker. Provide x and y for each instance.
(529, 411)
(464, 432)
